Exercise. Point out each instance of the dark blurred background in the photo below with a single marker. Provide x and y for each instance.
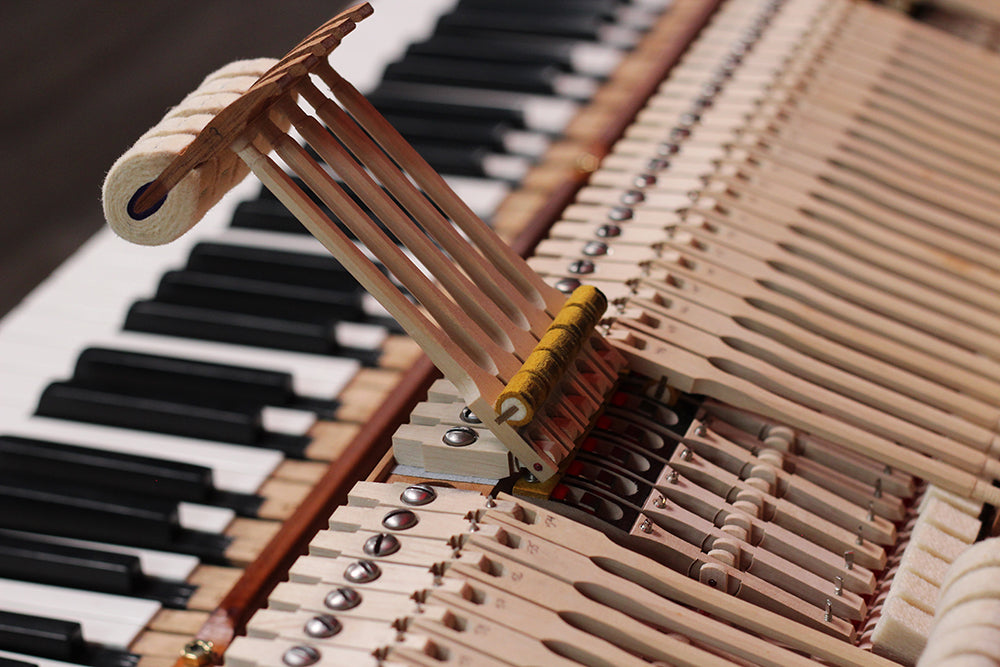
(82, 81)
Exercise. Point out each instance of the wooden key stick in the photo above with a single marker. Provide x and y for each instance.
(602, 558)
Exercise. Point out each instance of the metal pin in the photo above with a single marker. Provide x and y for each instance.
(871, 511)
(506, 414)
(861, 536)
(849, 559)
(878, 487)
(459, 436)
(646, 526)
(301, 656)
(838, 585)
(672, 478)
(490, 502)
(685, 454)
(701, 431)
(828, 614)
(660, 502)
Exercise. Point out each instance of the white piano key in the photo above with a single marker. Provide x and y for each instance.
(595, 59)
(204, 517)
(506, 167)
(481, 195)
(286, 420)
(113, 620)
(532, 144)
(234, 467)
(162, 564)
(575, 86)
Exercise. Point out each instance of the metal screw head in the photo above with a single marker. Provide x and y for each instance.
(567, 285)
(197, 653)
(342, 599)
(383, 544)
(595, 249)
(668, 148)
(301, 656)
(608, 231)
(632, 197)
(646, 526)
(644, 180)
(418, 495)
(581, 267)
(459, 436)
(468, 416)
(400, 519)
(679, 134)
(685, 454)
(322, 626)
(657, 164)
(620, 213)
(362, 572)
(660, 502)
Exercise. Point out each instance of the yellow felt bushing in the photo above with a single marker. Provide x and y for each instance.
(589, 298)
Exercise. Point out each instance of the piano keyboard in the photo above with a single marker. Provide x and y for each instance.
(658, 186)
(65, 348)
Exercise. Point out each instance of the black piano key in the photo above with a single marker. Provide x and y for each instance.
(487, 134)
(520, 49)
(43, 637)
(29, 503)
(576, 26)
(192, 381)
(259, 297)
(7, 662)
(269, 205)
(205, 324)
(563, 7)
(86, 512)
(387, 101)
(239, 426)
(455, 159)
(280, 266)
(266, 214)
(526, 78)
(123, 471)
(41, 562)
(24, 558)
(61, 400)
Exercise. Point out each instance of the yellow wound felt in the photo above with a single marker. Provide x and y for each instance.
(528, 389)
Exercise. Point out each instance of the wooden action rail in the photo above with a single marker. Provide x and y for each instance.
(591, 137)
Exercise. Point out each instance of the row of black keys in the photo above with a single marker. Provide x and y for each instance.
(248, 293)
(125, 499)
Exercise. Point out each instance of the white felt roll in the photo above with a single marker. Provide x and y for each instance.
(190, 199)
(982, 555)
(183, 207)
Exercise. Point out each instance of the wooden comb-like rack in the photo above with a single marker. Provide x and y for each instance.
(518, 352)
